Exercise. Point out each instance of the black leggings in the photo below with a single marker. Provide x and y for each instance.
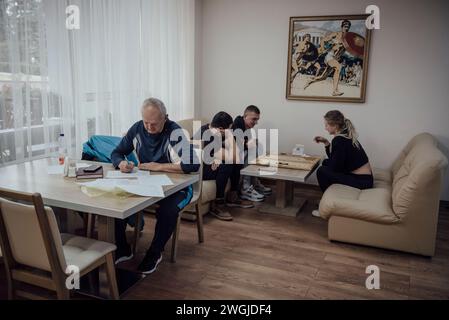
(221, 176)
(327, 177)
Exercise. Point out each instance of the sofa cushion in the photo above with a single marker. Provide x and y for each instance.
(382, 175)
(371, 204)
(382, 178)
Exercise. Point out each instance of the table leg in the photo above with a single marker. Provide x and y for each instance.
(106, 229)
(106, 226)
(284, 193)
(284, 202)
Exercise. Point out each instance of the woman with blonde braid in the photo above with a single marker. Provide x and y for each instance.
(347, 162)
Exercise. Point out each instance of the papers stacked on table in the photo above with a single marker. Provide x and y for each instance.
(117, 174)
(142, 184)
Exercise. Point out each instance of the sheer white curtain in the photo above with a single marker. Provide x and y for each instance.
(93, 80)
(29, 116)
(124, 52)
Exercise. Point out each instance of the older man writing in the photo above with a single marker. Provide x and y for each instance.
(151, 138)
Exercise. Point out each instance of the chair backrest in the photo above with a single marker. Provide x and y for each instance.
(418, 179)
(187, 124)
(99, 148)
(420, 139)
(29, 233)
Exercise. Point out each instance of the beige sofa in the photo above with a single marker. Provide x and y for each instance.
(208, 188)
(401, 211)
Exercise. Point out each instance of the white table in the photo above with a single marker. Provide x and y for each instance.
(64, 192)
(284, 203)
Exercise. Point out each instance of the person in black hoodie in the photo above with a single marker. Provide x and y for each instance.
(347, 161)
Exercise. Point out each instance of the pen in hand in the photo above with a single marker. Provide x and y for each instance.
(126, 166)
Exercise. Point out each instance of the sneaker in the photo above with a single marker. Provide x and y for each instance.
(233, 200)
(316, 213)
(220, 213)
(239, 203)
(261, 188)
(251, 195)
(150, 262)
(123, 253)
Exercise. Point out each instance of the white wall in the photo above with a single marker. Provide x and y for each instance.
(244, 61)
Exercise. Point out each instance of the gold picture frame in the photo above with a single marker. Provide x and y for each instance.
(320, 46)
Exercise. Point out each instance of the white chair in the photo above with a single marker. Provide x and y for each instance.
(36, 253)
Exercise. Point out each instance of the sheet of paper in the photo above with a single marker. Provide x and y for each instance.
(143, 190)
(117, 174)
(103, 184)
(133, 186)
(55, 169)
(158, 180)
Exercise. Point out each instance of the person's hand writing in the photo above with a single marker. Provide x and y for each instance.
(126, 166)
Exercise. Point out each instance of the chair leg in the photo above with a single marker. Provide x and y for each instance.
(174, 246)
(137, 228)
(199, 223)
(62, 292)
(110, 272)
(11, 291)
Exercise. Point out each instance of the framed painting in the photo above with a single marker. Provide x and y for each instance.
(328, 58)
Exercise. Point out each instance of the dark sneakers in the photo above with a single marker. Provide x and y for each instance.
(233, 201)
(150, 262)
(219, 213)
(239, 203)
(123, 253)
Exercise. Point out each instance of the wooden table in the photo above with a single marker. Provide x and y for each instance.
(63, 192)
(284, 203)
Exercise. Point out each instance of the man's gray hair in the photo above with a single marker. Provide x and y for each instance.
(155, 103)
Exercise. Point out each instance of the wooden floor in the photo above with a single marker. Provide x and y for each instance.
(260, 256)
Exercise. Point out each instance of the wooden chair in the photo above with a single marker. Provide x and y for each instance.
(36, 253)
(197, 188)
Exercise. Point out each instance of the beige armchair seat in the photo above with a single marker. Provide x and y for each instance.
(36, 253)
(401, 211)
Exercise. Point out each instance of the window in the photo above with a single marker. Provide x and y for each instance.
(29, 116)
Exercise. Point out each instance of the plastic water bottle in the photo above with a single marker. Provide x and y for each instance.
(62, 149)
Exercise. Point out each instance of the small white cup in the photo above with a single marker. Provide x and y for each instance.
(298, 150)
